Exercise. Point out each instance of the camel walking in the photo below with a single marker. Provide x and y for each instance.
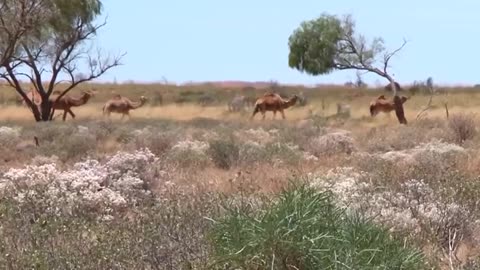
(122, 105)
(273, 102)
(381, 104)
(66, 102)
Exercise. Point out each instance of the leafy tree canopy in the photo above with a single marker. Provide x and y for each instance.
(327, 43)
(330, 43)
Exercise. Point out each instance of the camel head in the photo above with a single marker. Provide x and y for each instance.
(86, 95)
(143, 99)
(89, 93)
(293, 100)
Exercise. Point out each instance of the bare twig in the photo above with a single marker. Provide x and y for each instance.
(429, 104)
(388, 56)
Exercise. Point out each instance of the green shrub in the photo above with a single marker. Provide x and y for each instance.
(302, 229)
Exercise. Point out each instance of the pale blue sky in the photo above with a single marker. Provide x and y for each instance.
(247, 40)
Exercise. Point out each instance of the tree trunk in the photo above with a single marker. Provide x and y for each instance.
(45, 110)
(399, 112)
(41, 113)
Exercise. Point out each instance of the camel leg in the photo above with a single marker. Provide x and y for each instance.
(71, 113)
(283, 114)
(127, 114)
(64, 115)
(255, 111)
(263, 115)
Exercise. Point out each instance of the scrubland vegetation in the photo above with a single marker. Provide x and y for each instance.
(188, 184)
(315, 191)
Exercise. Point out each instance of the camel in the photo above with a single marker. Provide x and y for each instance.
(381, 104)
(66, 102)
(33, 95)
(123, 105)
(273, 102)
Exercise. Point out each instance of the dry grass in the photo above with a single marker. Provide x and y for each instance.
(202, 149)
(321, 101)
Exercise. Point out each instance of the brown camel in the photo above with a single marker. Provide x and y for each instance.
(122, 105)
(381, 104)
(33, 95)
(273, 102)
(66, 102)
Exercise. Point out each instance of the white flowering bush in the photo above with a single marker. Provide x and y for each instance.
(103, 186)
(9, 135)
(9, 132)
(198, 147)
(258, 135)
(332, 143)
(188, 153)
(426, 160)
(414, 208)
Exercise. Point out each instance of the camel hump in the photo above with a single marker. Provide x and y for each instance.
(381, 97)
(116, 96)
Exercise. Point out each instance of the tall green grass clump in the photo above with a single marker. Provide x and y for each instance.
(303, 229)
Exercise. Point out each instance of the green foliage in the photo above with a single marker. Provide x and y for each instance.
(71, 10)
(302, 229)
(321, 45)
(313, 46)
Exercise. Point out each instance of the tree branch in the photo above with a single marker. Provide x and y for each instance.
(389, 55)
(98, 67)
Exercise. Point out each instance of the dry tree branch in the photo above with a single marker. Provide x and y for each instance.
(429, 103)
(98, 66)
(388, 56)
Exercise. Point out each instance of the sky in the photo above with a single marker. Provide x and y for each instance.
(216, 40)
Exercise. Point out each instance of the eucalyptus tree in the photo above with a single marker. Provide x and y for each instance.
(327, 43)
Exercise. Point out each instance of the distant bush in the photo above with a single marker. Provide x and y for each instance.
(224, 153)
(303, 229)
(332, 143)
(463, 127)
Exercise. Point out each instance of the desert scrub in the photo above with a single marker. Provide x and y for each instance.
(424, 214)
(303, 229)
(223, 152)
(462, 127)
(157, 141)
(339, 142)
(164, 232)
(102, 215)
(189, 154)
(288, 153)
(9, 136)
